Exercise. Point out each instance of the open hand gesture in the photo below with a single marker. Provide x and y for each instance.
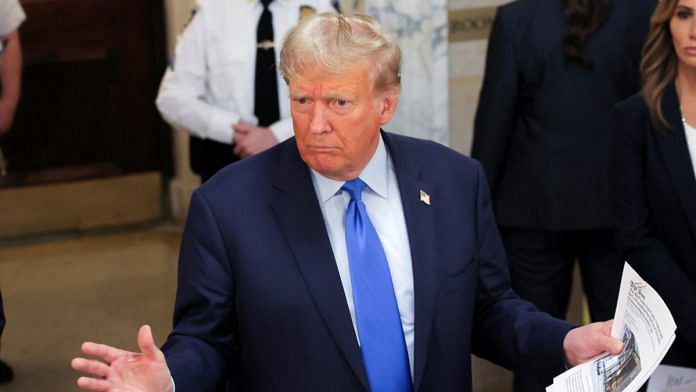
(118, 370)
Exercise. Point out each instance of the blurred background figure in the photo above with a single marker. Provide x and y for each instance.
(5, 371)
(222, 85)
(655, 156)
(11, 16)
(554, 70)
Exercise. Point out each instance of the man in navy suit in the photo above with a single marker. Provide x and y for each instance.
(270, 295)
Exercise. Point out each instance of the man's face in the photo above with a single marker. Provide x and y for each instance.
(337, 119)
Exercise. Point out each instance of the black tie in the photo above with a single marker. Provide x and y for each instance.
(266, 93)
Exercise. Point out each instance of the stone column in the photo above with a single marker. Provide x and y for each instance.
(420, 27)
(177, 13)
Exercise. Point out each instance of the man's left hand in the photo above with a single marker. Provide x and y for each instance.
(250, 139)
(584, 343)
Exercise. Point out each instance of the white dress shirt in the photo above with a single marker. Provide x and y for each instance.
(383, 203)
(210, 83)
(691, 142)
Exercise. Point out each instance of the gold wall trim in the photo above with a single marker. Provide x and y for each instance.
(470, 24)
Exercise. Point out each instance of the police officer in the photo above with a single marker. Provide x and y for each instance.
(222, 85)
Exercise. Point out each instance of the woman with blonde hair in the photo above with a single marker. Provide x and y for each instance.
(654, 148)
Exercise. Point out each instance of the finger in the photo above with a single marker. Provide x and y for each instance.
(242, 127)
(90, 366)
(102, 351)
(147, 343)
(91, 384)
(237, 150)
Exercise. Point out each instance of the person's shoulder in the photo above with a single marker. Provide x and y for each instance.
(641, 9)
(218, 8)
(248, 176)
(522, 15)
(431, 154)
(632, 106)
(525, 9)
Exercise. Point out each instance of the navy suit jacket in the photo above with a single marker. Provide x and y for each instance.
(2, 316)
(655, 201)
(260, 299)
(542, 128)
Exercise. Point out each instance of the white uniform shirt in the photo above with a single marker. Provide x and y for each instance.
(210, 83)
(11, 16)
(383, 203)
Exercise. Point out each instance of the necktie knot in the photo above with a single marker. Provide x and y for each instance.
(265, 3)
(354, 188)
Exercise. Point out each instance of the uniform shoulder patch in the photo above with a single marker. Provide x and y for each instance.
(306, 10)
(194, 10)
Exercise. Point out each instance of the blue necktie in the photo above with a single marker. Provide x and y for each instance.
(376, 311)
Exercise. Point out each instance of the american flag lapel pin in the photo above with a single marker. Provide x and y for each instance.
(424, 198)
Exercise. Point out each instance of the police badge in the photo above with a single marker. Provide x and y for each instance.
(306, 10)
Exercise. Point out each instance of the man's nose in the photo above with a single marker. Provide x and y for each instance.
(319, 123)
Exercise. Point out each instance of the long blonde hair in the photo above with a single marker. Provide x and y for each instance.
(658, 66)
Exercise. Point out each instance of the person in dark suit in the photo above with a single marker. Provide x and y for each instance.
(654, 148)
(351, 259)
(554, 70)
(6, 373)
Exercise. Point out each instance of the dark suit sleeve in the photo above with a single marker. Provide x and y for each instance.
(496, 111)
(508, 330)
(199, 349)
(635, 231)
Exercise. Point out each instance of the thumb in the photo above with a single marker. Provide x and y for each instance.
(147, 343)
(607, 342)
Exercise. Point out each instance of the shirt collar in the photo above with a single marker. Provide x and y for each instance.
(374, 175)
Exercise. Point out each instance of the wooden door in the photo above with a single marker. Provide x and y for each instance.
(91, 72)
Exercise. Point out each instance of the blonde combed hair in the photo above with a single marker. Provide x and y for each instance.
(659, 63)
(337, 43)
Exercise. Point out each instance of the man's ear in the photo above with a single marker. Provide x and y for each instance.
(389, 100)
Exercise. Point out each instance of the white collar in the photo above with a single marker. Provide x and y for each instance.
(375, 175)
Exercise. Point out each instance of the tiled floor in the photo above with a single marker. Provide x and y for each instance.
(99, 287)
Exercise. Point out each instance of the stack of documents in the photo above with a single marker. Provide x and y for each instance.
(645, 325)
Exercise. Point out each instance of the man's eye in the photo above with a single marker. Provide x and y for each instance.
(341, 102)
(302, 101)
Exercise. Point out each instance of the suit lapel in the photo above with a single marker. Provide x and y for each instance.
(675, 151)
(422, 241)
(298, 212)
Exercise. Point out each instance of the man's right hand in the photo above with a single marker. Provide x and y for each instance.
(124, 371)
